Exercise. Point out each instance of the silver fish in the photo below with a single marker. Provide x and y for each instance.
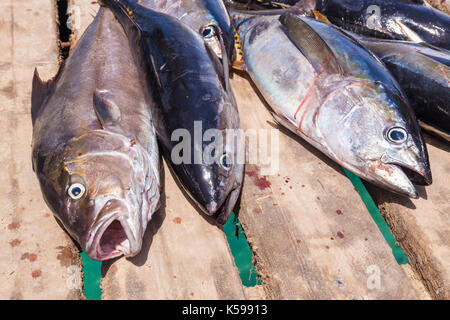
(336, 95)
(95, 151)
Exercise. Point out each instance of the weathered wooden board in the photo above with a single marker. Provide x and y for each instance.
(443, 5)
(422, 226)
(311, 234)
(37, 260)
(81, 13)
(185, 255)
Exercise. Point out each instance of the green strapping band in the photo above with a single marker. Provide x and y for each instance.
(398, 253)
(240, 249)
(92, 276)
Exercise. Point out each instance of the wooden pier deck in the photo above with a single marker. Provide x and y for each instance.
(311, 235)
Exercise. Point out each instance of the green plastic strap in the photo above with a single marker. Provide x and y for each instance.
(398, 253)
(92, 276)
(240, 249)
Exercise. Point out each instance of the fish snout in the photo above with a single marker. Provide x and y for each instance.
(113, 233)
(417, 169)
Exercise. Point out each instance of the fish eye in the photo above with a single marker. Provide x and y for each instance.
(397, 135)
(208, 32)
(76, 191)
(226, 162)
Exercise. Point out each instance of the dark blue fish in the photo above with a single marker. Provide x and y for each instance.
(193, 95)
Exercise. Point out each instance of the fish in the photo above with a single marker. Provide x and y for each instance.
(339, 97)
(423, 72)
(279, 4)
(389, 19)
(194, 99)
(94, 148)
(207, 17)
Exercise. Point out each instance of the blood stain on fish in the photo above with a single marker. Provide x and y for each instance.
(339, 212)
(340, 235)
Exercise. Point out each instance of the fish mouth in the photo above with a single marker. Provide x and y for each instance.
(399, 177)
(222, 212)
(112, 239)
(419, 178)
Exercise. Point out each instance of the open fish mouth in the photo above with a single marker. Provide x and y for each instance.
(417, 177)
(400, 178)
(112, 239)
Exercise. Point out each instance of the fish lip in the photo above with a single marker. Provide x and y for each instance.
(223, 212)
(391, 176)
(419, 174)
(93, 245)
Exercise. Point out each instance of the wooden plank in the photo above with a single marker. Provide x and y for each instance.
(81, 14)
(37, 260)
(443, 5)
(184, 256)
(310, 232)
(422, 226)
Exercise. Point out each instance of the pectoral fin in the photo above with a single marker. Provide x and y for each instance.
(108, 113)
(310, 44)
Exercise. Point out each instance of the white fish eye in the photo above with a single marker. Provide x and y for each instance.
(397, 135)
(76, 191)
(208, 32)
(226, 162)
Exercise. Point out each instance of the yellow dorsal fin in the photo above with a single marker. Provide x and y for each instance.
(321, 17)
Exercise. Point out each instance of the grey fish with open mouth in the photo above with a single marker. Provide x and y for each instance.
(335, 94)
(194, 99)
(95, 150)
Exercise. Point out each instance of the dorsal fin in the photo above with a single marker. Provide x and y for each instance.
(108, 113)
(310, 44)
(321, 17)
(40, 92)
